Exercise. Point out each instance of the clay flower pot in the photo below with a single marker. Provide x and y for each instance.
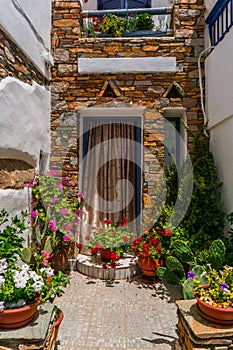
(214, 314)
(148, 265)
(15, 318)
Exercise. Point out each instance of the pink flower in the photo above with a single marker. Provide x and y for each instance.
(64, 180)
(88, 237)
(80, 195)
(54, 228)
(33, 214)
(31, 185)
(64, 211)
(53, 200)
(67, 227)
(46, 262)
(46, 255)
(101, 230)
(61, 187)
(66, 238)
(51, 223)
(79, 212)
(52, 172)
(71, 183)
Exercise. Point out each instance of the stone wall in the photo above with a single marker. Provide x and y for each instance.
(72, 91)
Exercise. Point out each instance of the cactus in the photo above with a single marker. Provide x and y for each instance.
(167, 276)
(183, 252)
(188, 285)
(217, 252)
(175, 266)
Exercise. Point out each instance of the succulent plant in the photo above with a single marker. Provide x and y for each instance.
(217, 252)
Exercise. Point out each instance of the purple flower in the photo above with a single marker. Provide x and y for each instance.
(223, 285)
(64, 211)
(79, 212)
(191, 275)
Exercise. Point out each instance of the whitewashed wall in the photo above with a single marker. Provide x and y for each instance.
(25, 108)
(28, 22)
(219, 104)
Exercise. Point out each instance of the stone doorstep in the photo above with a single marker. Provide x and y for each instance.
(32, 336)
(198, 330)
(125, 269)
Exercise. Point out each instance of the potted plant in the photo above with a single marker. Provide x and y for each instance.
(215, 299)
(112, 25)
(23, 286)
(55, 218)
(150, 249)
(144, 21)
(110, 242)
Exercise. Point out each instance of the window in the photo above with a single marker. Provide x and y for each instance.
(175, 137)
(123, 4)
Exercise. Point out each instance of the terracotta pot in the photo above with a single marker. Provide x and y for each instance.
(105, 255)
(60, 259)
(213, 313)
(15, 318)
(148, 265)
(54, 334)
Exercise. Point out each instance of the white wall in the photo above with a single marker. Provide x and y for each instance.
(28, 22)
(219, 105)
(24, 122)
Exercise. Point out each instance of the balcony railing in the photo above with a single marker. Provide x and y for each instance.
(161, 17)
(220, 20)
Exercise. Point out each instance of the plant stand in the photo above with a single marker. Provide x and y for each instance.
(195, 332)
(40, 333)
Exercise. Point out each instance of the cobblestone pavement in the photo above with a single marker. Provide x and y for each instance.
(104, 315)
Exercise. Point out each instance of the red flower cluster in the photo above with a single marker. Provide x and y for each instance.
(150, 243)
(96, 22)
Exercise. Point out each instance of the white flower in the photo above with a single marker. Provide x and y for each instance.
(37, 286)
(20, 278)
(49, 272)
(35, 276)
(3, 266)
(2, 280)
(1, 306)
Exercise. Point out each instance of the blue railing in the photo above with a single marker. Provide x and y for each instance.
(220, 20)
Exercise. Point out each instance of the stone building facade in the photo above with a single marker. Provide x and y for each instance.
(84, 78)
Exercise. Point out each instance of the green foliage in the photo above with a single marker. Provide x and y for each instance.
(107, 236)
(144, 21)
(204, 219)
(220, 287)
(183, 252)
(21, 282)
(113, 25)
(55, 218)
(189, 285)
(167, 276)
(11, 241)
(175, 266)
(217, 252)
